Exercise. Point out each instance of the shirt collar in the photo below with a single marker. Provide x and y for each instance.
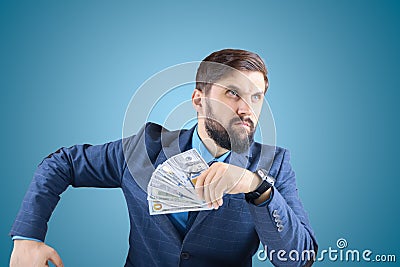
(201, 148)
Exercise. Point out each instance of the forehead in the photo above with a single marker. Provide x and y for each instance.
(247, 82)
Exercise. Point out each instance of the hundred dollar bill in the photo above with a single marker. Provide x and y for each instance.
(158, 194)
(189, 161)
(161, 183)
(169, 174)
(172, 185)
(157, 207)
(181, 203)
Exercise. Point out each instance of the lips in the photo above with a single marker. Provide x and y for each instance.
(247, 123)
(242, 124)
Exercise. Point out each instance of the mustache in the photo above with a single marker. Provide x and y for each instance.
(241, 119)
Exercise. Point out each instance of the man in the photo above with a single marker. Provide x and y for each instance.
(250, 186)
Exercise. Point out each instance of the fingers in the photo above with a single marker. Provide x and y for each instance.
(200, 183)
(207, 185)
(219, 191)
(219, 179)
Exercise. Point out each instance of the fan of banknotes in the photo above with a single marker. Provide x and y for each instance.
(172, 185)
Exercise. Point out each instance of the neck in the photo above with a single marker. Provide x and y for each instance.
(215, 150)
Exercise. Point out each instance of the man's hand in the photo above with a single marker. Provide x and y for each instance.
(223, 178)
(33, 253)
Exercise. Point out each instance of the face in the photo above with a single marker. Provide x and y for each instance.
(231, 109)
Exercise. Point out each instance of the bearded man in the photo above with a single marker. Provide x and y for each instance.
(250, 187)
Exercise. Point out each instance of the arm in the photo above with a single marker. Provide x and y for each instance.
(79, 166)
(283, 223)
(279, 217)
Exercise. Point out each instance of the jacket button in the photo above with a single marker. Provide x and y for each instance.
(185, 255)
(275, 214)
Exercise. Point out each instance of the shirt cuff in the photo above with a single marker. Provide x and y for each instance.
(18, 237)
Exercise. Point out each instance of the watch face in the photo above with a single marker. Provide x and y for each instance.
(262, 173)
(271, 180)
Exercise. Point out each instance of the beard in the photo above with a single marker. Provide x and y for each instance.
(235, 138)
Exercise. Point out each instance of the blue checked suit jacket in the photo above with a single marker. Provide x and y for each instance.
(228, 236)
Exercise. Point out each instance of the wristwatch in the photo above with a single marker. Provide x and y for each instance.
(267, 182)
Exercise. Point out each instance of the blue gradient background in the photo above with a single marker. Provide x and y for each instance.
(69, 69)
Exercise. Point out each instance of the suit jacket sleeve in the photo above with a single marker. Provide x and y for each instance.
(79, 166)
(283, 224)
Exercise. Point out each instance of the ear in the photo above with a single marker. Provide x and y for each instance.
(197, 100)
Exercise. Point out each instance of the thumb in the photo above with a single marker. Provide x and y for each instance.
(55, 258)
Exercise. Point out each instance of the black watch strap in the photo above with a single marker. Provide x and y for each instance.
(267, 182)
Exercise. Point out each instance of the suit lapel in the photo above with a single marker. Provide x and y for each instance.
(173, 143)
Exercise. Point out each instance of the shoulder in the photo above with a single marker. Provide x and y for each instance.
(150, 130)
(269, 157)
(156, 133)
(151, 138)
(263, 150)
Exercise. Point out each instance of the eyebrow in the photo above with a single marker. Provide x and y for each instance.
(237, 89)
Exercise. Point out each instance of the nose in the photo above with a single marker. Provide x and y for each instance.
(243, 107)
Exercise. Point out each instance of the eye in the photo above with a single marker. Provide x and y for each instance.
(256, 98)
(232, 93)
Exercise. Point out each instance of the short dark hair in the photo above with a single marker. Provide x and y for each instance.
(241, 60)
